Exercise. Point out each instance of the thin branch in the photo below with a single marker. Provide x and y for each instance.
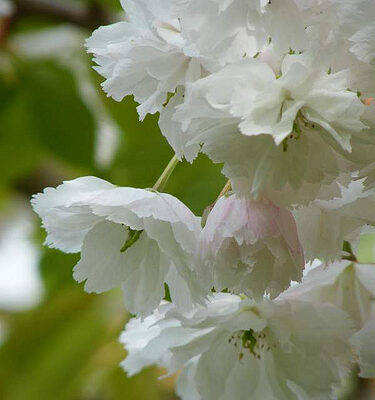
(87, 16)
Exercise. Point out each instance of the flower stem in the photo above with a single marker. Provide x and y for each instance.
(164, 177)
(347, 248)
(132, 237)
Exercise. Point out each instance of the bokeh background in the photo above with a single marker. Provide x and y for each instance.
(56, 341)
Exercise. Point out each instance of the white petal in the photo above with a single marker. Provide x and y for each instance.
(185, 386)
(287, 350)
(144, 286)
(364, 47)
(349, 286)
(364, 342)
(252, 247)
(138, 334)
(214, 367)
(172, 131)
(65, 213)
(103, 266)
(144, 56)
(324, 225)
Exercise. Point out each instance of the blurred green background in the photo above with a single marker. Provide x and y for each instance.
(56, 342)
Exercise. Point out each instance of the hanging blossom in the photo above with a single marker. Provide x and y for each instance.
(346, 284)
(252, 247)
(282, 94)
(234, 346)
(305, 108)
(134, 238)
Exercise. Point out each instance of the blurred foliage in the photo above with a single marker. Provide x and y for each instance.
(66, 348)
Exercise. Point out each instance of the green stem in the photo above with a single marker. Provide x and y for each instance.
(164, 177)
(132, 237)
(347, 248)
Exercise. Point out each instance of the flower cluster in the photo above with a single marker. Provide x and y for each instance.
(281, 93)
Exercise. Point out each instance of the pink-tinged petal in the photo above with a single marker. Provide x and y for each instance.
(288, 229)
(252, 246)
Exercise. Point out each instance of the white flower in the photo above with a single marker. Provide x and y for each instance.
(234, 347)
(235, 112)
(364, 343)
(319, 97)
(304, 95)
(350, 286)
(143, 56)
(134, 238)
(252, 246)
(324, 225)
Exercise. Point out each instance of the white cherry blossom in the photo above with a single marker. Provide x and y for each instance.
(304, 95)
(134, 238)
(281, 93)
(307, 111)
(143, 56)
(234, 346)
(252, 246)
